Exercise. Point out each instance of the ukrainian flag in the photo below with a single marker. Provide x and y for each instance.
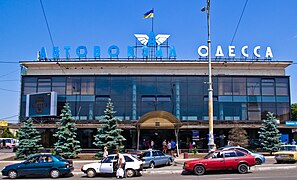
(149, 14)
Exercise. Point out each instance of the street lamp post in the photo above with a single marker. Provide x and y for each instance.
(211, 144)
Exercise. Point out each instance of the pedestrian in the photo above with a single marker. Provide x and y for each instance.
(173, 147)
(169, 146)
(164, 144)
(152, 144)
(121, 163)
(293, 142)
(105, 152)
(190, 147)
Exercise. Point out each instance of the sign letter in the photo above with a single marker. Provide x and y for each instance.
(269, 53)
(113, 51)
(172, 52)
(130, 52)
(256, 51)
(159, 52)
(203, 54)
(231, 51)
(243, 51)
(96, 52)
(145, 51)
(81, 54)
(219, 52)
(67, 49)
(42, 54)
(56, 52)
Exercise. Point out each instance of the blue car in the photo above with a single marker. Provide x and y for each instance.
(39, 165)
(152, 158)
(260, 159)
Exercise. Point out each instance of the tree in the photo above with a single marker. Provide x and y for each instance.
(6, 134)
(269, 134)
(294, 111)
(67, 146)
(238, 137)
(29, 140)
(108, 134)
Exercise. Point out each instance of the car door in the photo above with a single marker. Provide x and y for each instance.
(30, 167)
(45, 164)
(162, 158)
(156, 158)
(231, 159)
(215, 161)
(106, 165)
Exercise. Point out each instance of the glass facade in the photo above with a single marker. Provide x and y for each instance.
(239, 98)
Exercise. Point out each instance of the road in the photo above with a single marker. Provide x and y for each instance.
(289, 174)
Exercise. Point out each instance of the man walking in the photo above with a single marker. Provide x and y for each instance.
(121, 162)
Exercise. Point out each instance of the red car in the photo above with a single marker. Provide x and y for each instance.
(221, 160)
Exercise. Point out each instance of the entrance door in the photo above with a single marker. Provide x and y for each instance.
(156, 135)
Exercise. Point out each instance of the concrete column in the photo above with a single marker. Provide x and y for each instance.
(134, 102)
(177, 100)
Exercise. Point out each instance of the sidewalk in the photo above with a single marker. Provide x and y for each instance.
(6, 155)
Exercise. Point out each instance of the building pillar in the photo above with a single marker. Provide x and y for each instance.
(176, 131)
(177, 100)
(134, 101)
(138, 137)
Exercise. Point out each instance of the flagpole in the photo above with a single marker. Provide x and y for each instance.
(153, 21)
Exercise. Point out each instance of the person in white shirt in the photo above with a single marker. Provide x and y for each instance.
(121, 162)
(105, 153)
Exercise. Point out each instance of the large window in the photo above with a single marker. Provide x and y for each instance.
(282, 88)
(225, 85)
(44, 84)
(87, 85)
(59, 85)
(253, 86)
(268, 88)
(29, 85)
(235, 98)
(73, 86)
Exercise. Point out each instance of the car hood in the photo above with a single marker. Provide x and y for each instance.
(15, 165)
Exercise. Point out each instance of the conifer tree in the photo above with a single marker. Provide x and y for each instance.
(269, 134)
(108, 134)
(238, 137)
(6, 134)
(29, 140)
(67, 146)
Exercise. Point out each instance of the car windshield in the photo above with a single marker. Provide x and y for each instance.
(288, 148)
(208, 155)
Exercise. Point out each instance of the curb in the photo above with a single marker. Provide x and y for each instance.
(181, 171)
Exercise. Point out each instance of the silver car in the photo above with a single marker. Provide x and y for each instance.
(152, 158)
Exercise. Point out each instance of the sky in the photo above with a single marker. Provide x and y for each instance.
(23, 31)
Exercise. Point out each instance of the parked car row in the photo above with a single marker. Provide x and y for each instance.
(225, 158)
(55, 166)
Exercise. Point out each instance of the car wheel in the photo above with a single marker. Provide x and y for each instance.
(278, 161)
(258, 161)
(91, 173)
(12, 174)
(169, 161)
(199, 170)
(54, 173)
(242, 168)
(130, 172)
(152, 164)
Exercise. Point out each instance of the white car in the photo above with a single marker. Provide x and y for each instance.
(107, 166)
